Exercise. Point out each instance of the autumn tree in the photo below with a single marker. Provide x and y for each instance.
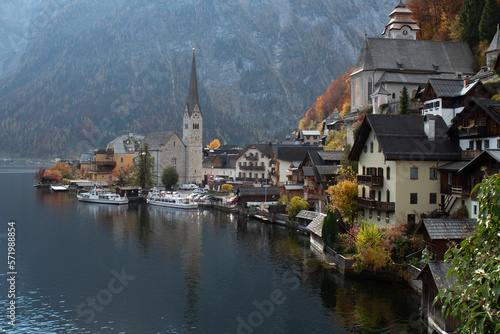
(227, 187)
(372, 252)
(214, 144)
(66, 170)
(121, 175)
(53, 176)
(336, 140)
(343, 195)
(296, 205)
(169, 177)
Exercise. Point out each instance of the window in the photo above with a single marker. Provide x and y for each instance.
(414, 173)
(498, 143)
(371, 147)
(450, 178)
(432, 198)
(413, 198)
(475, 209)
(486, 144)
(388, 173)
(121, 159)
(365, 149)
(471, 144)
(196, 126)
(185, 126)
(433, 173)
(388, 196)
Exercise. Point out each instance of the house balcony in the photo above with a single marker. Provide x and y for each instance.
(370, 180)
(470, 154)
(252, 157)
(475, 131)
(252, 168)
(371, 204)
(104, 163)
(460, 191)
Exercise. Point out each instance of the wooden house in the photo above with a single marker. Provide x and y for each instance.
(477, 127)
(434, 278)
(255, 196)
(438, 234)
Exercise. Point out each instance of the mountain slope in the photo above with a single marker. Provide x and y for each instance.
(99, 69)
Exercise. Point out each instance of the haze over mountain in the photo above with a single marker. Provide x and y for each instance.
(77, 73)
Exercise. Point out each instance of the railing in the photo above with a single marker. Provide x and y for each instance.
(470, 154)
(370, 180)
(252, 168)
(372, 204)
(460, 191)
(477, 130)
(252, 157)
(104, 163)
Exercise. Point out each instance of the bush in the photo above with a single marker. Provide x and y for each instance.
(296, 205)
(227, 187)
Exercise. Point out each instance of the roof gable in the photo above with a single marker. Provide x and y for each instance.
(447, 229)
(402, 137)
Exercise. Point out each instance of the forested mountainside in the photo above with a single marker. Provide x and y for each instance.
(91, 70)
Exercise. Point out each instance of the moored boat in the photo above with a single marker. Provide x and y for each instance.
(59, 188)
(170, 200)
(102, 196)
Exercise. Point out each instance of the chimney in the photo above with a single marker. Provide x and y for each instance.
(466, 81)
(430, 127)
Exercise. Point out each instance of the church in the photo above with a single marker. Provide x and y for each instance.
(399, 59)
(168, 148)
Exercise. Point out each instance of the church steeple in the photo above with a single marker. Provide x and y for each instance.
(401, 24)
(493, 50)
(192, 100)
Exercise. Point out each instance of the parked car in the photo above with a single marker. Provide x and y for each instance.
(189, 186)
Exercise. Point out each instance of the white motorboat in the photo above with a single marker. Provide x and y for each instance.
(171, 200)
(59, 188)
(102, 196)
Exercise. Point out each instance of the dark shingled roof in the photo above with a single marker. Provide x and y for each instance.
(316, 225)
(293, 152)
(331, 156)
(447, 229)
(259, 191)
(158, 139)
(453, 166)
(408, 78)
(439, 272)
(450, 87)
(399, 55)
(306, 214)
(402, 137)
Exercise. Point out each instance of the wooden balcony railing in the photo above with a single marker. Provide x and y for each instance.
(370, 180)
(367, 203)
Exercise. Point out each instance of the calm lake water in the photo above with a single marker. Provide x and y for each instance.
(90, 268)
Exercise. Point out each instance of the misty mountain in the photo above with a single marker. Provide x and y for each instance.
(85, 71)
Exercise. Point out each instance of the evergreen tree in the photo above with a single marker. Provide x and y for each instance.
(489, 20)
(470, 16)
(404, 102)
(169, 177)
(144, 167)
(330, 229)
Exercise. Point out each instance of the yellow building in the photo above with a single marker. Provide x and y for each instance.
(102, 165)
(125, 149)
(398, 157)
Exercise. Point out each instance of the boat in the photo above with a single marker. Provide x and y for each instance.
(102, 196)
(170, 200)
(59, 188)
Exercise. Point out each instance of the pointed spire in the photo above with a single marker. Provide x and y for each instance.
(192, 99)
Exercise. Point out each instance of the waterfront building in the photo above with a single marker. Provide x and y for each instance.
(287, 158)
(125, 149)
(398, 158)
(102, 165)
(253, 163)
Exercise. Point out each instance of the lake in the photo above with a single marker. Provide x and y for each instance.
(94, 268)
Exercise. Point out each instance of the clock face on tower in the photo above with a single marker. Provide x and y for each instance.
(405, 31)
(196, 115)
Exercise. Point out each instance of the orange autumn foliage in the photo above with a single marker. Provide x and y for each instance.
(334, 99)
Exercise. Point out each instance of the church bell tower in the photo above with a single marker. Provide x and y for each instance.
(401, 24)
(192, 130)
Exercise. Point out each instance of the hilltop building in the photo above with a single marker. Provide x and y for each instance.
(387, 64)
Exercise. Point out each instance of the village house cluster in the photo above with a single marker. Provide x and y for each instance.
(410, 167)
